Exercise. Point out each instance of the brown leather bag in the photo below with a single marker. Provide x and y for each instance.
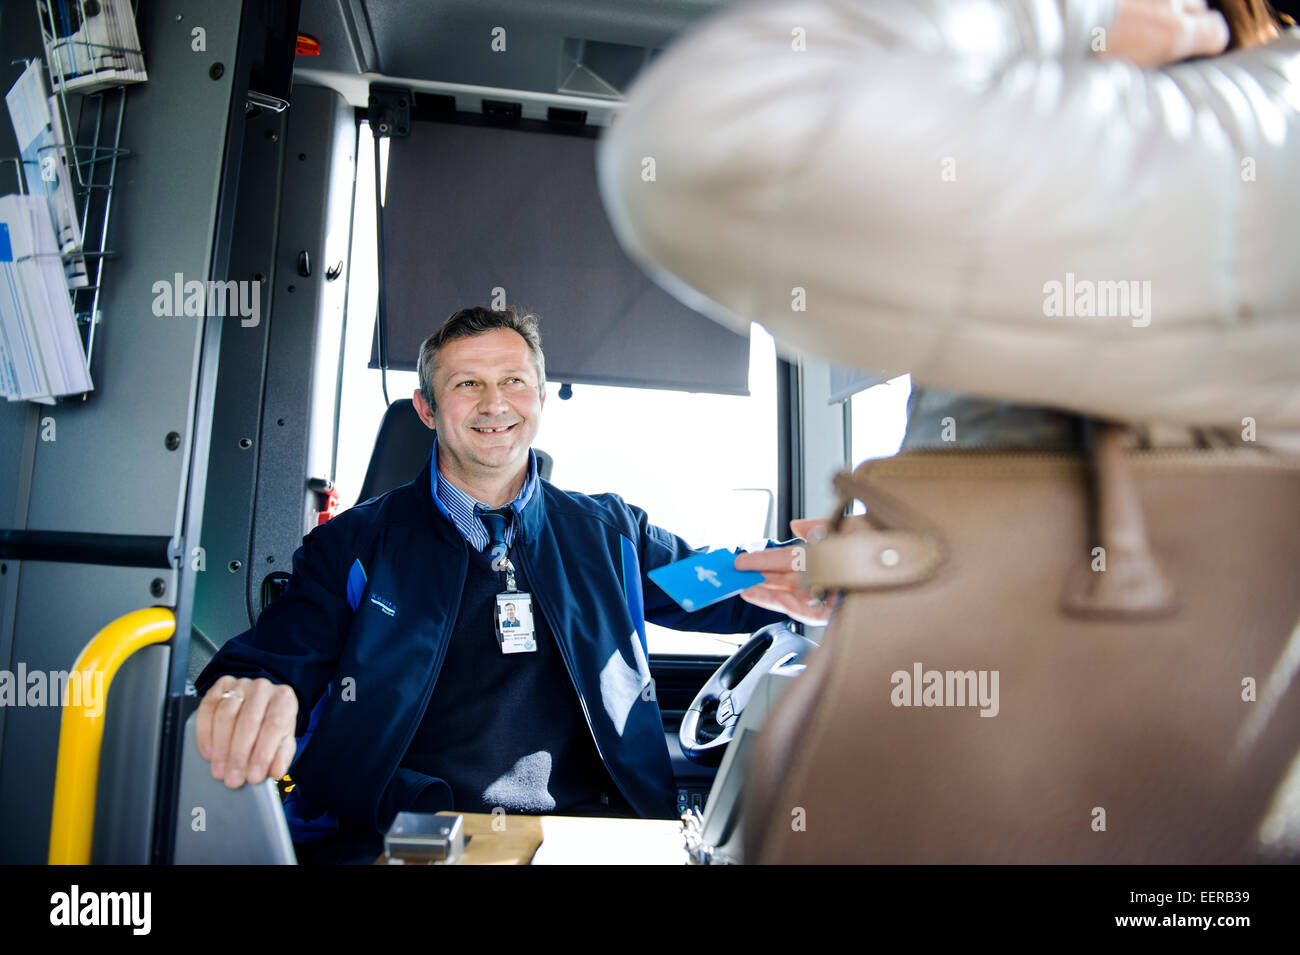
(1126, 729)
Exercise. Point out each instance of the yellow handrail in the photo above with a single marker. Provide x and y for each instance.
(81, 734)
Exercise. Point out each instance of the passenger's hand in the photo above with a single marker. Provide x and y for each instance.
(1159, 32)
(245, 729)
(783, 588)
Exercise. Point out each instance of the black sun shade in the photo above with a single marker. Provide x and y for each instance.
(471, 207)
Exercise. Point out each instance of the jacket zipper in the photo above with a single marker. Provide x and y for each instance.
(428, 688)
(573, 679)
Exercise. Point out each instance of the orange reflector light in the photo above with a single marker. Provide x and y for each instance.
(308, 45)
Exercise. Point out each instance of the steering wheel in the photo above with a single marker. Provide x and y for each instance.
(710, 722)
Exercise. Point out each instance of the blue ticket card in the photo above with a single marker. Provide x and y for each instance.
(699, 581)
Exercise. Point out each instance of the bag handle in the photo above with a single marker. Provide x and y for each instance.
(885, 548)
(891, 547)
(1120, 576)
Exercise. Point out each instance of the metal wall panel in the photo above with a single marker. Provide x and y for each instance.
(109, 469)
(20, 37)
(61, 606)
(274, 417)
(315, 217)
(221, 606)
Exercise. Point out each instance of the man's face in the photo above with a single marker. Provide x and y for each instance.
(487, 405)
(510, 613)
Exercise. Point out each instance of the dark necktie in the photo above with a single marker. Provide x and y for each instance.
(495, 521)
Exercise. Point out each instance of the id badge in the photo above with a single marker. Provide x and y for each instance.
(514, 623)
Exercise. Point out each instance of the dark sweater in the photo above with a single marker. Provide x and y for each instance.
(507, 730)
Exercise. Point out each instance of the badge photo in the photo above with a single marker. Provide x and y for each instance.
(514, 623)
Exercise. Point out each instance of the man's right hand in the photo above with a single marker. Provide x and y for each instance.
(245, 729)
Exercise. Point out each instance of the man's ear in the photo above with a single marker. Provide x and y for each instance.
(423, 410)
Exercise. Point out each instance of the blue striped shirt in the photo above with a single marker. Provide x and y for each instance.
(459, 506)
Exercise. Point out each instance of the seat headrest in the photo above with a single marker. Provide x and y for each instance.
(401, 448)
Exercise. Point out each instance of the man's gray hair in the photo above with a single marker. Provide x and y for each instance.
(469, 322)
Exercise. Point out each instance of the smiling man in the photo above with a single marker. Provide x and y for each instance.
(391, 650)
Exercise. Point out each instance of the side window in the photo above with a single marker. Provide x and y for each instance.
(361, 399)
(878, 421)
(703, 467)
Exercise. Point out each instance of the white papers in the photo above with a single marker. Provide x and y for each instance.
(92, 51)
(41, 354)
(38, 127)
(67, 225)
(587, 840)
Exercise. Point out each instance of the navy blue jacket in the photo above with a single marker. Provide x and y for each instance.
(585, 558)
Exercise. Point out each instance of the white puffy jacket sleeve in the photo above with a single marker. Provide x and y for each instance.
(958, 188)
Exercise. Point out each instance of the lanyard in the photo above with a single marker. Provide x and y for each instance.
(509, 568)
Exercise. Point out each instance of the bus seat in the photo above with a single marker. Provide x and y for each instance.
(401, 448)
(220, 826)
